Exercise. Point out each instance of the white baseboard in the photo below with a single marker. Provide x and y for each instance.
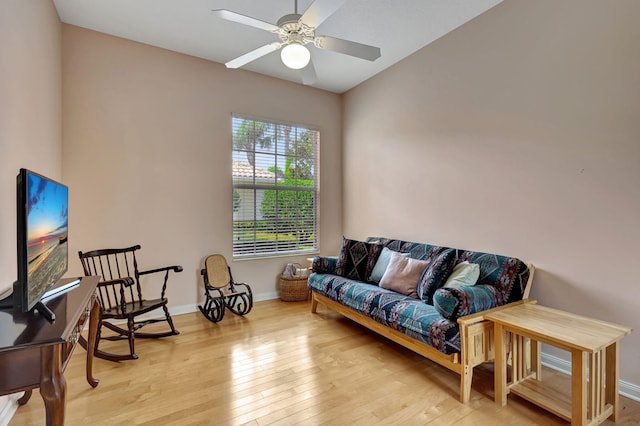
(266, 296)
(9, 409)
(627, 389)
(187, 309)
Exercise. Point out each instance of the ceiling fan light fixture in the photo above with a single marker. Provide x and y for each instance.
(295, 56)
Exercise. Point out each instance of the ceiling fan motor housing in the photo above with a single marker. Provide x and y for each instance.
(292, 18)
(292, 30)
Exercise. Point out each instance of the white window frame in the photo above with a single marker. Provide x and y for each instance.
(279, 170)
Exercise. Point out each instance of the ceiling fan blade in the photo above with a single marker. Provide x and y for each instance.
(319, 11)
(359, 50)
(308, 74)
(242, 19)
(253, 55)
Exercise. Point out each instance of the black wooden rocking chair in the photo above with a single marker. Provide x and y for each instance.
(120, 298)
(222, 291)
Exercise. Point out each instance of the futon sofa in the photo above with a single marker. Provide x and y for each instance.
(443, 324)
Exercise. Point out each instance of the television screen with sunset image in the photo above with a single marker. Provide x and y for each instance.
(46, 203)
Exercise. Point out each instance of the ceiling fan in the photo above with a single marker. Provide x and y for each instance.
(295, 31)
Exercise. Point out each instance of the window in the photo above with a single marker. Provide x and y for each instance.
(275, 188)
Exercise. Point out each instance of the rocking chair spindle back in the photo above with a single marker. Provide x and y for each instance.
(120, 297)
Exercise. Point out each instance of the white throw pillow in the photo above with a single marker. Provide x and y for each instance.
(463, 273)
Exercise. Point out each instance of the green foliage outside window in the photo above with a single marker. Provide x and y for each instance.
(294, 210)
(236, 200)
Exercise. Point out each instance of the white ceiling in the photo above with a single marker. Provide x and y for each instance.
(398, 27)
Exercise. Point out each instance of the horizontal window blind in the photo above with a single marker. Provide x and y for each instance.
(275, 188)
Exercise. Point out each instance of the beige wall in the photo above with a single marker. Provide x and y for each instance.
(30, 111)
(515, 134)
(147, 155)
(519, 134)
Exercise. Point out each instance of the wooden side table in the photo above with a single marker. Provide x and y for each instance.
(34, 352)
(592, 343)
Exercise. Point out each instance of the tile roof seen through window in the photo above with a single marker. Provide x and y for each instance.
(245, 170)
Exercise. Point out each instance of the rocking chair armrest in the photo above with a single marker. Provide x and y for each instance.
(166, 271)
(176, 268)
(126, 282)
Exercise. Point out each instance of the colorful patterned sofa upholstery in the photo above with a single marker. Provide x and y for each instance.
(448, 327)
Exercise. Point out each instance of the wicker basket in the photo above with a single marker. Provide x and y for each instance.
(294, 289)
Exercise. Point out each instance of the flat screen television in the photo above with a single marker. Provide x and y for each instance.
(42, 231)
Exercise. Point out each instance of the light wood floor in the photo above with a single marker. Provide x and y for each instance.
(283, 365)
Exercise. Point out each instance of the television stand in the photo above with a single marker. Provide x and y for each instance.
(34, 352)
(45, 311)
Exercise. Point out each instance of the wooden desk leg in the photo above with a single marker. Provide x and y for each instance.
(500, 366)
(94, 320)
(579, 387)
(612, 377)
(53, 386)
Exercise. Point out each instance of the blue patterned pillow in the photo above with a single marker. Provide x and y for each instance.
(456, 302)
(357, 259)
(434, 277)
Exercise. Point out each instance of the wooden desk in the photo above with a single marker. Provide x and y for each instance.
(591, 342)
(35, 352)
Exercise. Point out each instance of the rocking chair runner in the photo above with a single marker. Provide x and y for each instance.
(222, 291)
(120, 297)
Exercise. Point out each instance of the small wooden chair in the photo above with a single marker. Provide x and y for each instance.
(222, 291)
(120, 297)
